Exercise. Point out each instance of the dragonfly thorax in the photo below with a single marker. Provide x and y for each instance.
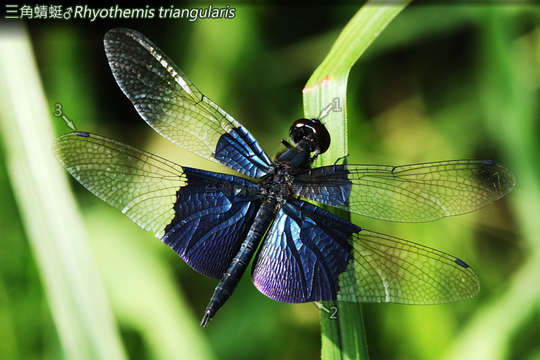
(278, 184)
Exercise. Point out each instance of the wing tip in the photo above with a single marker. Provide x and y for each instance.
(471, 278)
(461, 263)
(503, 179)
(118, 35)
(82, 133)
(115, 33)
(67, 136)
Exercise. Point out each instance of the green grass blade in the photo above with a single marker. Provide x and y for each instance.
(76, 295)
(160, 313)
(344, 338)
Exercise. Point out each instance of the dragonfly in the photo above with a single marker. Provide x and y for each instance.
(218, 223)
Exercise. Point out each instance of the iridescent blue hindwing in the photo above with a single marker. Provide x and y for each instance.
(310, 255)
(212, 216)
(304, 253)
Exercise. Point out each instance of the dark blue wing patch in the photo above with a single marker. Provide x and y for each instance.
(327, 185)
(303, 255)
(238, 150)
(213, 214)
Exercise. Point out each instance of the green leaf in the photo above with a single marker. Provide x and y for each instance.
(343, 338)
(76, 295)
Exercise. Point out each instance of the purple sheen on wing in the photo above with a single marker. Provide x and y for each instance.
(303, 255)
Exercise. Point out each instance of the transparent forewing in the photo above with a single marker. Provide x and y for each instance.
(388, 269)
(169, 102)
(142, 185)
(409, 193)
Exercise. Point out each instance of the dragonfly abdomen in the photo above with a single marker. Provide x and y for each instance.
(236, 269)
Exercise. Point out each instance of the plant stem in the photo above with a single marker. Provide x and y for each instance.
(344, 338)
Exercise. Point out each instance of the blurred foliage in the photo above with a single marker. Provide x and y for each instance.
(439, 83)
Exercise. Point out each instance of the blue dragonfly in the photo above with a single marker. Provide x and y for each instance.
(218, 222)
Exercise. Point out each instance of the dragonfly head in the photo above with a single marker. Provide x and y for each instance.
(310, 134)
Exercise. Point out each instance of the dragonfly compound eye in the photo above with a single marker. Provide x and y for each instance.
(311, 132)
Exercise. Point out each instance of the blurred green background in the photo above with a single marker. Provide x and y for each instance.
(441, 82)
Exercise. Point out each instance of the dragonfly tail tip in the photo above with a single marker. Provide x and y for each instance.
(206, 318)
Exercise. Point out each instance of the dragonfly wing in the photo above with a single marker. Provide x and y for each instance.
(409, 193)
(310, 255)
(212, 217)
(171, 104)
(384, 268)
(201, 215)
(303, 254)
